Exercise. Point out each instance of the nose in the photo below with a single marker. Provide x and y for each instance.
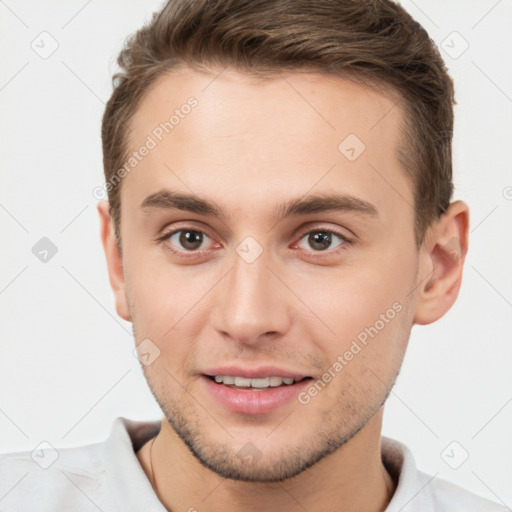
(253, 304)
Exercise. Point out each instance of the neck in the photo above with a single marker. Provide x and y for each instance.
(353, 476)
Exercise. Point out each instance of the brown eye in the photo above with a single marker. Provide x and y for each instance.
(188, 239)
(322, 240)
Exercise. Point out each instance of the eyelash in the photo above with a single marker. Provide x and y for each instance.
(190, 254)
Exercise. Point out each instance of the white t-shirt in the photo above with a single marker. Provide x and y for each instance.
(107, 476)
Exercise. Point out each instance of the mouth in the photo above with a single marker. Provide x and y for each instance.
(255, 384)
(254, 394)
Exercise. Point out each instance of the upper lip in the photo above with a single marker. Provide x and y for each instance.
(259, 372)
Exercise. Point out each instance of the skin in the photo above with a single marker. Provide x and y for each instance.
(249, 145)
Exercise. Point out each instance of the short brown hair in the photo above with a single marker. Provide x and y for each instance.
(371, 41)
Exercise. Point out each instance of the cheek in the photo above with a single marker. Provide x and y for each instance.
(368, 304)
(160, 295)
(364, 358)
(166, 309)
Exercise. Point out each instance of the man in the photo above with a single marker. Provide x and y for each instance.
(279, 216)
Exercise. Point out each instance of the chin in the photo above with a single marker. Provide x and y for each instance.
(249, 463)
(266, 469)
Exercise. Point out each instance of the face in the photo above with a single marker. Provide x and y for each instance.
(261, 240)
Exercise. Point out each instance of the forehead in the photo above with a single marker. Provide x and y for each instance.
(265, 139)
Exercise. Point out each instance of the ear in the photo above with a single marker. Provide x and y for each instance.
(442, 257)
(114, 261)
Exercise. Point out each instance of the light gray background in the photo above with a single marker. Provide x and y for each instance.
(67, 368)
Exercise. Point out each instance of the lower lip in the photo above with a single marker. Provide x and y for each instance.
(254, 402)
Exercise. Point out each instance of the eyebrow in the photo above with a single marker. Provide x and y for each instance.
(317, 203)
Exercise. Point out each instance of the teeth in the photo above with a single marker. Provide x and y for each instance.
(260, 383)
(242, 382)
(254, 383)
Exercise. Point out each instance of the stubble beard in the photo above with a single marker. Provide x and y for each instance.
(263, 466)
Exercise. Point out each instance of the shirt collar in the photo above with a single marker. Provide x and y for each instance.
(119, 457)
(127, 436)
(413, 491)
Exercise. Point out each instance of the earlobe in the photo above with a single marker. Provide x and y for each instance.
(443, 255)
(114, 261)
